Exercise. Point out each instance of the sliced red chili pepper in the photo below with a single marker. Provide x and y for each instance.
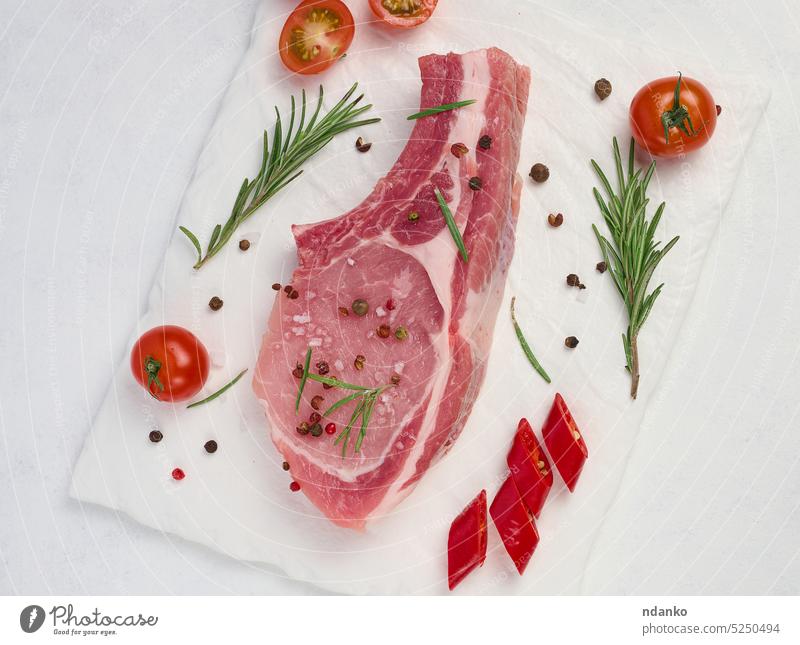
(529, 468)
(514, 524)
(466, 543)
(564, 442)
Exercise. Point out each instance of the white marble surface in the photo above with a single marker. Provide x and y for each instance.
(102, 113)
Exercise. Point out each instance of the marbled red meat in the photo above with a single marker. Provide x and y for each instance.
(376, 252)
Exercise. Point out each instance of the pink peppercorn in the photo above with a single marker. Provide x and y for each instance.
(330, 428)
(390, 304)
(178, 474)
(294, 487)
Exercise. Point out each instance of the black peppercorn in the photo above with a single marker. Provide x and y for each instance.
(571, 342)
(286, 465)
(211, 446)
(314, 417)
(475, 183)
(539, 173)
(215, 303)
(601, 267)
(485, 142)
(156, 436)
(574, 281)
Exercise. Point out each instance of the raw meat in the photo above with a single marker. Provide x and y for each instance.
(377, 253)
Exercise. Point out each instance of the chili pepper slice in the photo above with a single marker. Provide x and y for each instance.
(529, 468)
(564, 442)
(466, 543)
(514, 524)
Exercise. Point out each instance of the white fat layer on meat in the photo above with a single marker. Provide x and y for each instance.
(468, 128)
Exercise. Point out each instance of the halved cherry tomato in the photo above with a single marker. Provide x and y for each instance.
(170, 362)
(316, 35)
(672, 116)
(403, 13)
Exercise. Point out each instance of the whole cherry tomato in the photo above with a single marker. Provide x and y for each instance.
(316, 35)
(403, 13)
(170, 362)
(672, 116)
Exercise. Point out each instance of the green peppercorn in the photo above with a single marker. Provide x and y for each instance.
(401, 333)
(360, 307)
(413, 216)
(315, 430)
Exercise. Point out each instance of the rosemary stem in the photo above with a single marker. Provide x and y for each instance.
(634, 347)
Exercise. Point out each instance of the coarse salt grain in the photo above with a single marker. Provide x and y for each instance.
(301, 318)
(398, 367)
(380, 312)
(351, 262)
(315, 342)
(338, 365)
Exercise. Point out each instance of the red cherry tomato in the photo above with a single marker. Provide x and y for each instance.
(403, 14)
(170, 363)
(672, 116)
(316, 35)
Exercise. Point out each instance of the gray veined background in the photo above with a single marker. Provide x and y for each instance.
(103, 108)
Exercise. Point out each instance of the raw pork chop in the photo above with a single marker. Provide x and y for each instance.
(380, 252)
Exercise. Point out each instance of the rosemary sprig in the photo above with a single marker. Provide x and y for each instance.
(525, 347)
(634, 255)
(451, 225)
(281, 162)
(366, 398)
(441, 108)
(219, 392)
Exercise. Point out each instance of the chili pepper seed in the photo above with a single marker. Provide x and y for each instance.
(555, 220)
(215, 303)
(155, 436)
(571, 342)
(210, 446)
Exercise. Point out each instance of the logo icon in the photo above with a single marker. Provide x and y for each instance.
(31, 618)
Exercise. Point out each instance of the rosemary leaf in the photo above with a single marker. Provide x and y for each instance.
(303, 380)
(282, 159)
(525, 347)
(441, 108)
(220, 391)
(451, 225)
